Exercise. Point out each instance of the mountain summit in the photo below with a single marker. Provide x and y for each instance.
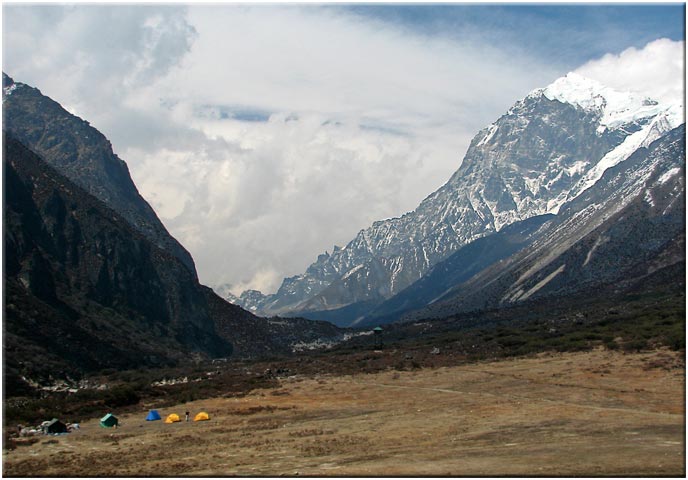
(617, 108)
(547, 149)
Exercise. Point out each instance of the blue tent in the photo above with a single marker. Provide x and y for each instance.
(153, 415)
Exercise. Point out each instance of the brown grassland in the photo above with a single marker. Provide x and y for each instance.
(593, 413)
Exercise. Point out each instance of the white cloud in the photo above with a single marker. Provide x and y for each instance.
(364, 123)
(353, 121)
(92, 55)
(656, 70)
(296, 188)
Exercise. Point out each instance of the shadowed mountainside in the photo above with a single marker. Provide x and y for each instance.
(84, 290)
(83, 154)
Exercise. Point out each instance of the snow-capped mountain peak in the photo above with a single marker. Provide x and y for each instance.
(547, 149)
(8, 86)
(616, 108)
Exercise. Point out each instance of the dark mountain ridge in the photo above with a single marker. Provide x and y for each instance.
(83, 154)
(86, 287)
(86, 291)
(92, 278)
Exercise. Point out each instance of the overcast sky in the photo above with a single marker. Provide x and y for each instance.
(264, 135)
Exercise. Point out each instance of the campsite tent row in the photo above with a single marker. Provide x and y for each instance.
(109, 420)
(173, 417)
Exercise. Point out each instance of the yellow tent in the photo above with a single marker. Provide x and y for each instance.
(201, 416)
(172, 417)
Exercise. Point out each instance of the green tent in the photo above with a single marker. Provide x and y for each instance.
(109, 421)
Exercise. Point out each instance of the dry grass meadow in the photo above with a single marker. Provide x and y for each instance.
(590, 413)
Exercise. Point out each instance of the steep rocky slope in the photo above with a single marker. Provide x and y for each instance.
(83, 154)
(468, 261)
(627, 226)
(84, 290)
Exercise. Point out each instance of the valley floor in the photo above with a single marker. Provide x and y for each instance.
(575, 414)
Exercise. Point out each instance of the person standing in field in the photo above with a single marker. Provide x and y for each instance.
(187, 416)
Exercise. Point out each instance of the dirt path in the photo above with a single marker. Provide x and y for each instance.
(589, 414)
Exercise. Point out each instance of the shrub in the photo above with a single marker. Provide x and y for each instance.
(635, 345)
(121, 396)
(676, 340)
